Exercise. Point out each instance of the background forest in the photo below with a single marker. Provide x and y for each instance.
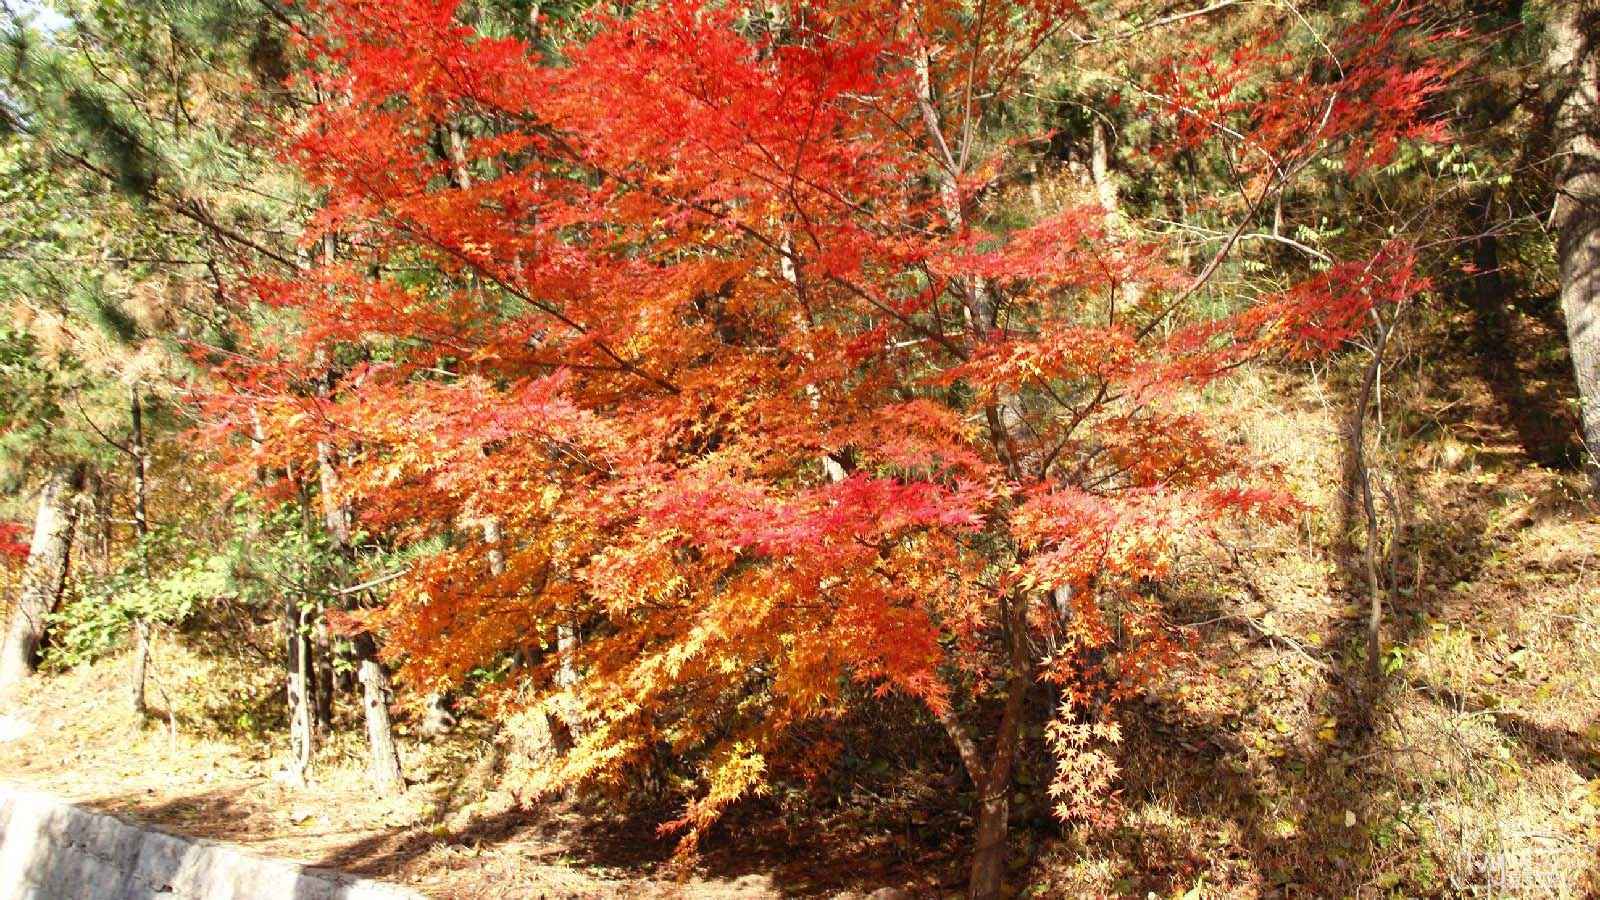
(713, 448)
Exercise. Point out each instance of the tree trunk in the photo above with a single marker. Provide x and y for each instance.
(384, 763)
(337, 520)
(297, 649)
(561, 724)
(302, 727)
(1359, 481)
(994, 803)
(982, 301)
(384, 768)
(322, 681)
(437, 718)
(992, 777)
(987, 877)
(1543, 427)
(43, 576)
(141, 526)
(1575, 65)
(105, 535)
(141, 662)
(1105, 188)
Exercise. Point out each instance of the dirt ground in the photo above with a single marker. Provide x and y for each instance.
(1265, 767)
(71, 737)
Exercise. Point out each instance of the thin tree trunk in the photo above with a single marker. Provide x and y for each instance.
(563, 724)
(302, 727)
(141, 526)
(337, 521)
(105, 535)
(384, 759)
(322, 674)
(44, 575)
(1360, 480)
(497, 551)
(563, 728)
(1575, 66)
(1105, 187)
(982, 301)
(297, 648)
(436, 716)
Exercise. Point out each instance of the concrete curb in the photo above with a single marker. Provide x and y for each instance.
(53, 850)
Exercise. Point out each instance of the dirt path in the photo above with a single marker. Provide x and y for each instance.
(63, 735)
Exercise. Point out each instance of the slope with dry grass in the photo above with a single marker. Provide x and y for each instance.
(1265, 767)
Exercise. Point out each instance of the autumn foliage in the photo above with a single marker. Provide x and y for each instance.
(697, 342)
(13, 546)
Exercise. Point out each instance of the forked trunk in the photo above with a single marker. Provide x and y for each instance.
(987, 879)
(43, 576)
(992, 777)
(1359, 480)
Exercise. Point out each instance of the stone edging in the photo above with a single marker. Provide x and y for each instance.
(53, 850)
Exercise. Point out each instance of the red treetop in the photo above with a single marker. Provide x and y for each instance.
(704, 321)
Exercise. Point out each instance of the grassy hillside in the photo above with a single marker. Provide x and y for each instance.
(1473, 769)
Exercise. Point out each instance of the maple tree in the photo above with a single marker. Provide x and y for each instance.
(707, 319)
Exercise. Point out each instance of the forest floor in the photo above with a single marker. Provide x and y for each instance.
(1266, 766)
(71, 735)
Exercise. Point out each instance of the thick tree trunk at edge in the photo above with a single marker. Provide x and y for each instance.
(1575, 67)
(384, 767)
(44, 575)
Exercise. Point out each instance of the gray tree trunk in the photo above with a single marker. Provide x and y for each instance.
(1575, 66)
(437, 719)
(141, 526)
(297, 649)
(1110, 195)
(302, 724)
(384, 760)
(43, 576)
(337, 520)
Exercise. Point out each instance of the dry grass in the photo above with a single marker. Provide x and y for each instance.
(1266, 768)
(441, 836)
(1473, 770)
